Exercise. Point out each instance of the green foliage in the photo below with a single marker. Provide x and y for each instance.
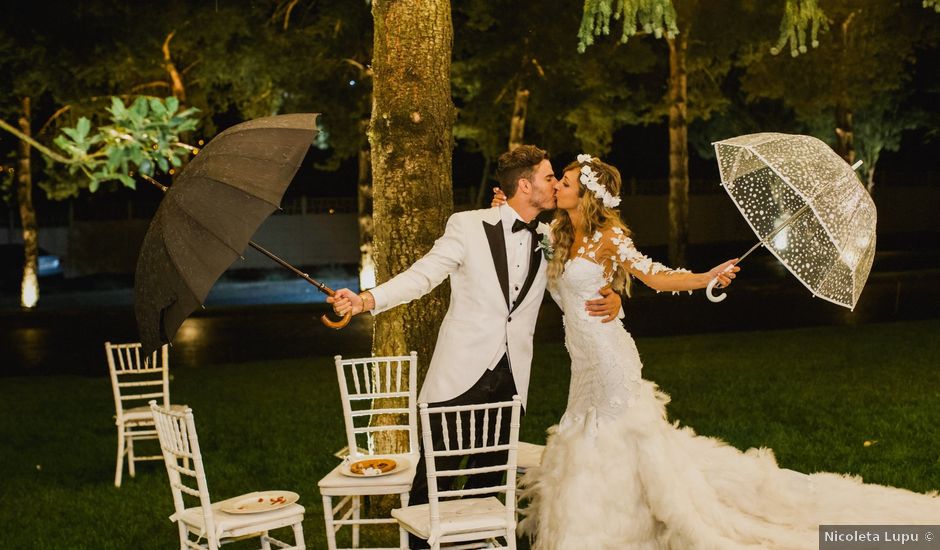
(863, 67)
(932, 4)
(715, 49)
(656, 17)
(880, 127)
(798, 15)
(576, 101)
(236, 61)
(143, 136)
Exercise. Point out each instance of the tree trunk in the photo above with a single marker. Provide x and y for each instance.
(517, 125)
(29, 291)
(678, 150)
(411, 142)
(364, 186)
(845, 135)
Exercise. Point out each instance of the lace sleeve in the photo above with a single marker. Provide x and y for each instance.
(616, 251)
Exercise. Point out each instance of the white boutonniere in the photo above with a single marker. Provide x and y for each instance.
(545, 240)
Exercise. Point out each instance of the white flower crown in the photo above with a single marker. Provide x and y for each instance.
(588, 178)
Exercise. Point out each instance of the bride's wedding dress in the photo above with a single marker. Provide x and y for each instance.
(616, 474)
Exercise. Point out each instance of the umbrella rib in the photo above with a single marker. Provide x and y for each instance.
(800, 279)
(193, 217)
(166, 190)
(295, 166)
(178, 269)
(771, 248)
(276, 206)
(806, 200)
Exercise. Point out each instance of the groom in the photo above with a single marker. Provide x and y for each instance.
(497, 275)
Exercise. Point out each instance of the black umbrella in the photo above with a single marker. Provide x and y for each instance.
(207, 218)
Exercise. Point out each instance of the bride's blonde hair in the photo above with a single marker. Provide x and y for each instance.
(596, 217)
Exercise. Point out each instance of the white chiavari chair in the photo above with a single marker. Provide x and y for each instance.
(135, 380)
(214, 524)
(371, 388)
(448, 517)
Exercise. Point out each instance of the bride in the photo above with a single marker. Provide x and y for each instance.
(615, 473)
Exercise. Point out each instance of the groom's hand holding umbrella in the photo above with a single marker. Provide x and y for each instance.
(346, 301)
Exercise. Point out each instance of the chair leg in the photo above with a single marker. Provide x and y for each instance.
(184, 535)
(119, 470)
(265, 541)
(299, 542)
(130, 457)
(511, 539)
(356, 512)
(328, 518)
(402, 534)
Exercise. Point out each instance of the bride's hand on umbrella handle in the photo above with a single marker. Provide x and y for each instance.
(721, 277)
(499, 198)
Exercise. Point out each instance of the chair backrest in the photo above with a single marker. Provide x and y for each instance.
(137, 379)
(485, 423)
(180, 446)
(378, 386)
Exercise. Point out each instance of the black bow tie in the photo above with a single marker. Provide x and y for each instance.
(519, 225)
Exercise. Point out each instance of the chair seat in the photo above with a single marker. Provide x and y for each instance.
(238, 524)
(143, 414)
(529, 455)
(336, 483)
(464, 515)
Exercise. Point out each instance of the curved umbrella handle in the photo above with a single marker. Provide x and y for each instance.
(710, 289)
(336, 325)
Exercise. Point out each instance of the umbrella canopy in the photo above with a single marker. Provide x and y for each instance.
(807, 206)
(208, 216)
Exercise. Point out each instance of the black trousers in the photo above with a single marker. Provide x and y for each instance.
(493, 386)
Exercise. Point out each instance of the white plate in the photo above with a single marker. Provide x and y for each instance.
(263, 501)
(401, 463)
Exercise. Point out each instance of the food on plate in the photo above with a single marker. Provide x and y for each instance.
(372, 466)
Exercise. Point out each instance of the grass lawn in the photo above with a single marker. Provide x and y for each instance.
(813, 395)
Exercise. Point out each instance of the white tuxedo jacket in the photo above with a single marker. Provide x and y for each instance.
(472, 252)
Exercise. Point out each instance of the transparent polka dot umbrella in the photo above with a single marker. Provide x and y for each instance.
(807, 207)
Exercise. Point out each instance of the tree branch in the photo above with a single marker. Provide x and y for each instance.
(363, 70)
(38, 146)
(154, 84)
(178, 91)
(54, 116)
(290, 8)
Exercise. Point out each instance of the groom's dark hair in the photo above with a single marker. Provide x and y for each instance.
(521, 162)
